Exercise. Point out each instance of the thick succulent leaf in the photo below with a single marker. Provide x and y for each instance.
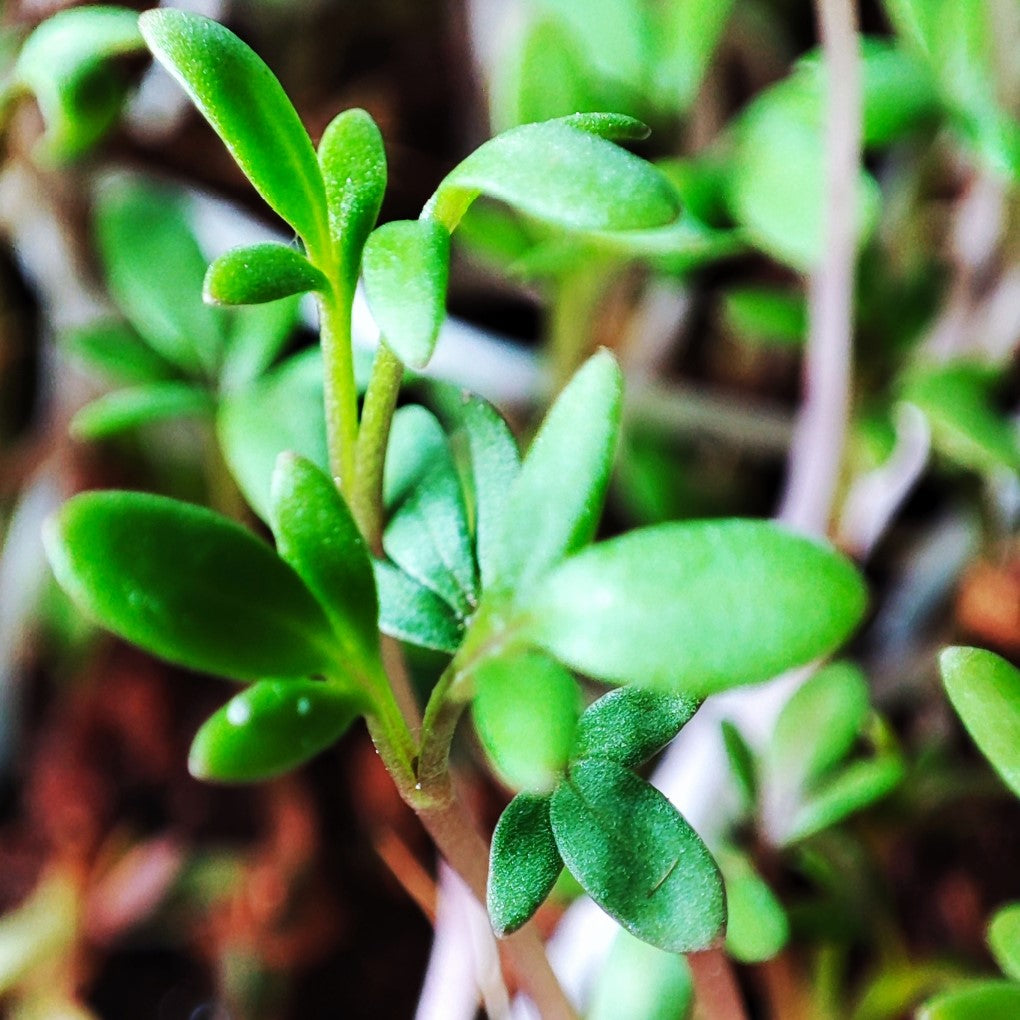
(353, 165)
(187, 585)
(695, 607)
(561, 174)
(124, 410)
(258, 273)
(818, 726)
(271, 727)
(523, 863)
(116, 352)
(285, 410)
(525, 712)
(427, 535)
(637, 857)
(956, 398)
(756, 924)
(554, 505)
(154, 269)
(854, 788)
(630, 724)
(408, 611)
(406, 266)
(66, 62)
(1004, 940)
(985, 691)
(316, 534)
(977, 1000)
(258, 335)
(486, 452)
(641, 982)
(245, 104)
(742, 764)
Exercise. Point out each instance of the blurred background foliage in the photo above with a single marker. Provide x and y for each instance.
(873, 844)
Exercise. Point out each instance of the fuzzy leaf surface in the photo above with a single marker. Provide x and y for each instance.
(408, 611)
(270, 728)
(985, 691)
(187, 585)
(631, 724)
(406, 266)
(637, 857)
(695, 607)
(553, 507)
(258, 273)
(246, 106)
(523, 863)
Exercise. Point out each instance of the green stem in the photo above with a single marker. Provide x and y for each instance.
(373, 436)
(445, 706)
(340, 389)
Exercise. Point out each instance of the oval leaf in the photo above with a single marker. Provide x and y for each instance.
(637, 857)
(523, 863)
(187, 585)
(116, 352)
(316, 534)
(630, 724)
(553, 507)
(985, 691)
(525, 711)
(127, 409)
(270, 728)
(408, 611)
(66, 63)
(640, 982)
(259, 273)
(757, 927)
(1004, 939)
(353, 165)
(695, 607)
(978, 1000)
(559, 173)
(245, 104)
(406, 266)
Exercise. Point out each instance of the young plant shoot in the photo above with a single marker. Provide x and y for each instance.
(442, 535)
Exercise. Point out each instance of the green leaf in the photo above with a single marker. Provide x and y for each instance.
(957, 400)
(525, 712)
(246, 105)
(285, 410)
(270, 728)
(258, 273)
(742, 764)
(637, 857)
(316, 534)
(187, 585)
(154, 269)
(408, 611)
(818, 726)
(553, 507)
(631, 724)
(640, 982)
(523, 863)
(124, 410)
(406, 266)
(1004, 939)
(560, 174)
(677, 247)
(777, 187)
(116, 352)
(854, 788)
(977, 1000)
(258, 335)
(486, 451)
(353, 165)
(766, 317)
(427, 534)
(68, 62)
(985, 691)
(756, 925)
(695, 607)
(685, 34)
(615, 127)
